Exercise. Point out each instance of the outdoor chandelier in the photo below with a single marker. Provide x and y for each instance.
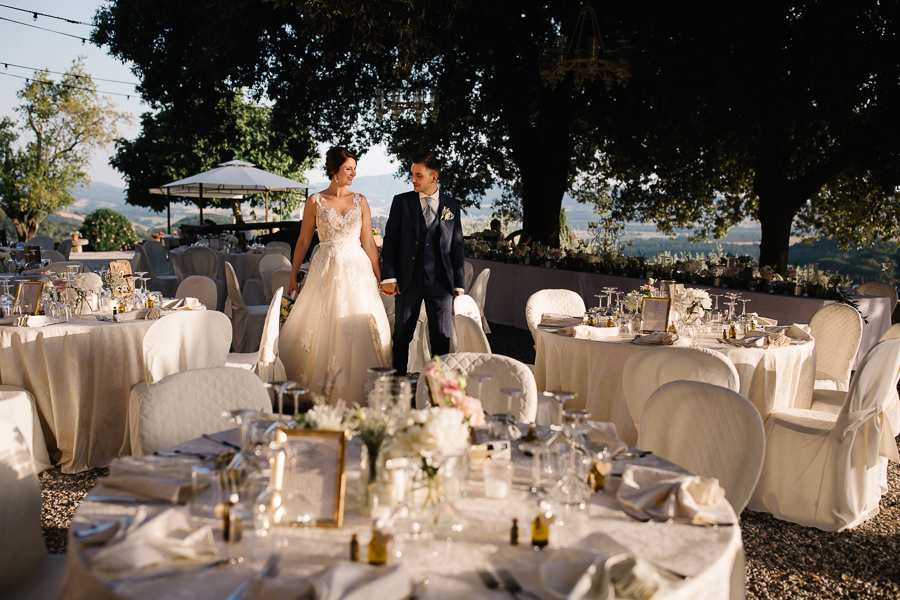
(584, 56)
(422, 103)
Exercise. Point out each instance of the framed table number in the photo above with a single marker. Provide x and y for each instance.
(655, 315)
(28, 296)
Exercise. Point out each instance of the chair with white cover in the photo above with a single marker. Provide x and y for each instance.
(188, 404)
(645, 372)
(893, 332)
(709, 430)
(880, 288)
(283, 248)
(268, 264)
(149, 259)
(60, 267)
(278, 244)
(469, 272)
(26, 570)
(466, 305)
(479, 294)
(53, 256)
(280, 279)
(17, 406)
(202, 260)
(829, 471)
(200, 287)
(837, 330)
(469, 335)
(556, 301)
(44, 241)
(505, 372)
(264, 362)
(247, 321)
(65, 247)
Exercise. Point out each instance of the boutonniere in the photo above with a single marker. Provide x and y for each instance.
(446, 215)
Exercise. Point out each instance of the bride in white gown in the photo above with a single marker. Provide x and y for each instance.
(337, 327)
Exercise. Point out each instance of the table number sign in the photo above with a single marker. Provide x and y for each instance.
(28, 296)
(655, 315)
(123, 267)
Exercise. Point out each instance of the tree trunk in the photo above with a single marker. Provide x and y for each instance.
(776, 217)
(236, 211)
(25, 229)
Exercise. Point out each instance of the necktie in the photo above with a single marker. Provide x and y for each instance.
(430, 214)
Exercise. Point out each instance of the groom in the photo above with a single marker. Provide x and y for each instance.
(423, 259)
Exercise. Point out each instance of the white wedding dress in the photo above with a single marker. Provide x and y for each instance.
(337, 328)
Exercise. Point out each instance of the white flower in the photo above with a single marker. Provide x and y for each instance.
(446, 215)
(326, 417)
(87, 282)
(439, 430)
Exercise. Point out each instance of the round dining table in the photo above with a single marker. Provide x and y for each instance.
(771, 378)
(692, 562)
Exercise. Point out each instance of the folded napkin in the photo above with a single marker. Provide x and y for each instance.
(557, 320)
(152, 538)
(131, 315)
(766, 322)
(661, 338)
(647, 492)
(354, 581)
(182, 304)
(599, 435)
(586, 332)
(763, 339)
(152, 477)
(595, 567)
(28, 321)
(798, 332)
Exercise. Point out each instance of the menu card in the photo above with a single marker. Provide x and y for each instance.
(655, 315)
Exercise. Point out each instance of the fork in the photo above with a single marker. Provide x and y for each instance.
(489, 580)
(269, 569)
(513, 587)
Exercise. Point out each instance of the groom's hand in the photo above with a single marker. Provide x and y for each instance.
(389, 289)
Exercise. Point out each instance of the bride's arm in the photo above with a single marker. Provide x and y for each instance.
(367, 239)
(307, 228)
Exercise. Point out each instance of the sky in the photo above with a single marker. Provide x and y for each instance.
(22, 44)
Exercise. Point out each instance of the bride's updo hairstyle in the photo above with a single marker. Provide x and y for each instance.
(334, 158)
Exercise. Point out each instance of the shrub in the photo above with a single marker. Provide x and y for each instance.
(107, 231)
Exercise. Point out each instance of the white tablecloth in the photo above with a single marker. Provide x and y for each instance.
(246, 266)
(80, 374)
(775, 378)
(510, 286)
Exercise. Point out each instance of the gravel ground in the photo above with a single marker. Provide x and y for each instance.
(784, 560)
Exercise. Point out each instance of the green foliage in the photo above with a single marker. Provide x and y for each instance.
(108, 231)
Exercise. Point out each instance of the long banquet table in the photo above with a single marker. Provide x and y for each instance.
(510, 286)
(771, 378)
(712, 557)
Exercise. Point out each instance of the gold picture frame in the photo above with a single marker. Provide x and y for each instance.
(655, 314)
(312, 463)
(28, 296)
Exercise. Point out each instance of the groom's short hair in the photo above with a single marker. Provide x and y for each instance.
(428, 159)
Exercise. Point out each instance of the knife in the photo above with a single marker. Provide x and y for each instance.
(213, 438)
(123, 500)
(169, 573)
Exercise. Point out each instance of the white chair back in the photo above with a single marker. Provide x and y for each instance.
(53, 256)
(17, 406)
(185, 340)
(479, 294)
(201, 287)
(469, 272)
(188, 404)
(247, 322)
(278, 244)
(280, 278)
(200, 260)
(469, 335)
(161, 282)
(563, 302)
(234, 289)
(44, 241)
(879, 288)
(892, 333)
(645, 372)
(268, 264)
(837, 329)
(280, 250)
(157, 263)
(65, 247)
(466, 305)
(709, 430)
(505, 372)
(268, 344)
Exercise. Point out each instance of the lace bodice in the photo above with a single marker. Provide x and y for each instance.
(336, 228)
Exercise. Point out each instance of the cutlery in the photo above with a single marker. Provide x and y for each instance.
(226, 443)
(181, 453)
(170, 572)
(269, 569)
(489, 580)
(513, 587)
(95, 529)
(123, 500)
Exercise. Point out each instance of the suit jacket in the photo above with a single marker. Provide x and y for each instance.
(399, 252)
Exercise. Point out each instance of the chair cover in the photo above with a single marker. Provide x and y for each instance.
(265, 362)
(879, 288)
(268, 264)
(65, 247)
(646, 372)
(479, 293)
(159, 282)
(157, 259)
(280, 278)
(53, 256)
(201, 287)
(469, 273)
(189, 339)
(17, 406)
(420, 346)
(188, 404)
(247, 321)
(709, 430)
(60, 267)
(200, 260)
(893, 332)
(469, 335)
(562, 302)
(829, 471)
(506, 372)
(466, 305)
(278, 244)
(44, 241)
(283, 248)
(837, 329)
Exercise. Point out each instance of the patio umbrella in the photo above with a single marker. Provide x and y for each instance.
(187, 194)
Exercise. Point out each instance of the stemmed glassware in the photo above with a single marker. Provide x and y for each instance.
(503, 425)
(6, 299)
(561, 397)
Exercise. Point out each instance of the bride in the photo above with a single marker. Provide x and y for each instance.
(337, 327)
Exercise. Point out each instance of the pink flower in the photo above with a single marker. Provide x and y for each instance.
(471, 408)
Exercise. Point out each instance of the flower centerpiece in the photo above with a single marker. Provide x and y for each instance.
(84, 284)
(691, 304)
(373, 427)
(448, 388)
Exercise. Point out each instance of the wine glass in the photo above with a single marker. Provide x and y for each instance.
(503, 425)
(277, 390)
(561, 397)
(6, 299)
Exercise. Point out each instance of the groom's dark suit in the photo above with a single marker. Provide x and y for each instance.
(428, 264)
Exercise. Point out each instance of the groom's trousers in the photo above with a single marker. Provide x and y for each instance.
(438, 300)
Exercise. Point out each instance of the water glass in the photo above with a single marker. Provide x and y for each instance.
(497, 478)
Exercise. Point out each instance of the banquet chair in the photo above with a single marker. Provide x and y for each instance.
(893, 332)
(26, 570)
(466, 305)
(278, 244)
(159, 281)
(505, 372)
(479, 294)
(829, 471)
(247, 320)
(469, 335)
(201, 287)
(60, 267)
(280, 278)
(44, 241)
(199, 260)
(837, 330)
(709, 430)
(53, 256)
(17, 406)
(469, 272)
(281, 250)
(188, 404)
(264, 362)
(645, 372)
(879, 288)
(558, 301)
(268, 264)
(65, 247)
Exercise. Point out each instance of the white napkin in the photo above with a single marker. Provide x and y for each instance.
(661, 338)
(765, 321)
(798, 332)
(28, 321)
(586, 332)
(354, 581)
(764, 339)
(595, 567)
(663, 495)
(557, 320)
(131, 315)
(153, 538)
(152, 477)
(182, 304)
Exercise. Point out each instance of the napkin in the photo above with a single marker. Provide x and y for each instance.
(798, 332)
(661, 338)
(764, 339)
(766, 322)
(353, 581)
(152, 538)
(28, 321)
(595, 567)
(598, 435)
(182, 304)
(586, 332)
(131, 315)
(557, 320)
(647, 492)
(152, 477)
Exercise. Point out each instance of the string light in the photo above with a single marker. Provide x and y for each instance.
(36, 14)
(8, 65)
(77, 37)
(68, 87)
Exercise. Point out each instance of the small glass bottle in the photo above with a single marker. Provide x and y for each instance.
(378, 547)
(732, 332)
(540, 533)
(514, 533)
(354, 548)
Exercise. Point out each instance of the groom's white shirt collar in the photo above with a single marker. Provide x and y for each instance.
(422, 199)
